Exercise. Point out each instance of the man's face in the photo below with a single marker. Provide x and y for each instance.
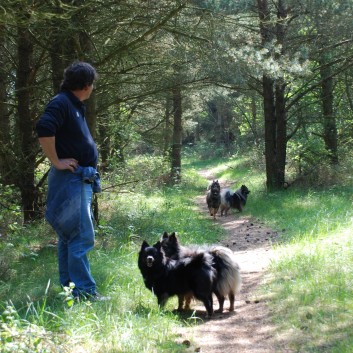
(88, 90)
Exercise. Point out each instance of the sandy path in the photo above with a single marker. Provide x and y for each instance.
(249, 328)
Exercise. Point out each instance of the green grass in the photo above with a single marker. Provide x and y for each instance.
(131, 321)
(309, 287)
(312, 295)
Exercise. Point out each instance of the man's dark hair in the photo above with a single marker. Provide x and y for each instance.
(78, 75)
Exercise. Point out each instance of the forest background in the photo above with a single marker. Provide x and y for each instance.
(271, 80)
(273, 76)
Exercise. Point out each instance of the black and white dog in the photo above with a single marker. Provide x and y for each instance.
(233, 199)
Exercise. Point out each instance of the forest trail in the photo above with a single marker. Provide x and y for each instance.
(249, 328)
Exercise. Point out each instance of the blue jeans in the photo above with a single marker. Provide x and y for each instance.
(72, 197)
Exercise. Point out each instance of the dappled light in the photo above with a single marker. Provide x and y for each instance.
(254, 94)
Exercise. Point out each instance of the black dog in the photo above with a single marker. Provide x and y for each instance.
(167, 277)
(230, 199)
(227, 281)
(213, 198)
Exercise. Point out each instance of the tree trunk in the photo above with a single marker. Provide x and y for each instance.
(105, 141)
(5, 148)
(280, 105)
(329, 119)
(91, 115)
(177, 136)
(274, 100)
(25, 120)
(57, 55)
(167, 132)
(253, 123)
(62, 51)
(270, 132)
(281, 134)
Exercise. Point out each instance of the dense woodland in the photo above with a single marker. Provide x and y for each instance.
(273, 76)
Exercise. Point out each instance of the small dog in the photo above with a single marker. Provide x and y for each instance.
(166, 277)
(227, 281)
(213, 198)
(230, 199)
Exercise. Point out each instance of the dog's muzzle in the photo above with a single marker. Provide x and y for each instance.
(149, 261)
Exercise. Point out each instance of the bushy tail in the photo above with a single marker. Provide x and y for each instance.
(228, 271)
(196, 258)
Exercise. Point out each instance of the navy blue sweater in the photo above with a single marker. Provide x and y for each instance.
(64, 118)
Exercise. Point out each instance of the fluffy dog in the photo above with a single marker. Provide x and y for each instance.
(227, 281)
(167, 277)
(231, 199)
(213, 198)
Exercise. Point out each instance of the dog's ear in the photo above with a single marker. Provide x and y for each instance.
(165, 236)
(245, 189)
(144, 245)
(158, 245)
(173, 237)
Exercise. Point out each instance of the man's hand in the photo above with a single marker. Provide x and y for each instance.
(48, 146)
(66, 163)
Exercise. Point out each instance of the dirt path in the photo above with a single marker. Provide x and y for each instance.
(248, 329)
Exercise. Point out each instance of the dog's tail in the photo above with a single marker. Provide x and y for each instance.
(228, 271)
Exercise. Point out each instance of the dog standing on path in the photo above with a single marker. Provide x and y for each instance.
(167, 277)
(227, 279)
(213, 198)
(233, 199)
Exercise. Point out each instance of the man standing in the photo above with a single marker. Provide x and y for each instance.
(67, 142)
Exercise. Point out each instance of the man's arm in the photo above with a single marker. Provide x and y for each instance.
(48, 146)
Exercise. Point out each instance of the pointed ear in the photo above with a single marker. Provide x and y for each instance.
(173, 237)
(165, 236)
(158, 245)
(144, 245)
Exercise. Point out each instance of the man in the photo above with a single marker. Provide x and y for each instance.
(67, 142)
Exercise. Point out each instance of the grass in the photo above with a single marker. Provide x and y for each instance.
(308, 288)
(131, 321)
(311, 288)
